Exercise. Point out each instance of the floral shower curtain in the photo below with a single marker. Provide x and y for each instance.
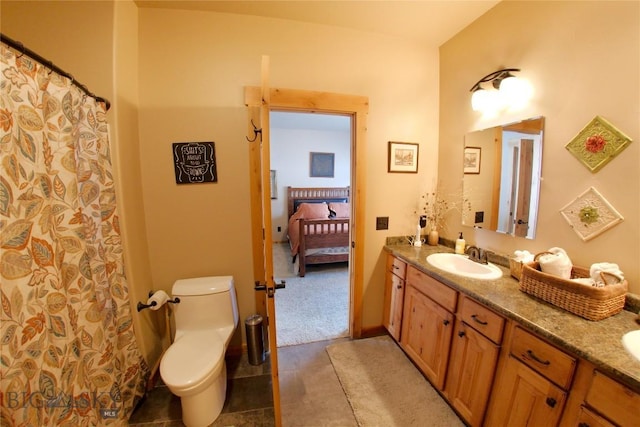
(68, 353)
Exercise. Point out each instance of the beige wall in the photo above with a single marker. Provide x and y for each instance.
(583, 60)
(193, 67)
(150, 325)
(67, 33)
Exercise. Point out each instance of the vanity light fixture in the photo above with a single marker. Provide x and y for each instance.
(509, 92)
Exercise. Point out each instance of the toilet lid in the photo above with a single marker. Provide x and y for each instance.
(193, 357)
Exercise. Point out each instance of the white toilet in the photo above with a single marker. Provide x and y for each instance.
(193, 367)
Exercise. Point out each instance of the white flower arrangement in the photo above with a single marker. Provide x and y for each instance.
(435, 207)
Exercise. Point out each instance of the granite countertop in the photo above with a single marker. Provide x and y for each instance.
(597, 342)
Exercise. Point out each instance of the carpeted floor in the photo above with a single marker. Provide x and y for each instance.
(311, 308)
(385, 389)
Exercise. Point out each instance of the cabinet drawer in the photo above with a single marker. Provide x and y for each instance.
(439, 292)
(396, 266)
(613, 400)
(544, 358)
(480, 318)
(589, 419)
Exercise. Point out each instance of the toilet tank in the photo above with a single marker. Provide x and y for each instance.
(205, 303)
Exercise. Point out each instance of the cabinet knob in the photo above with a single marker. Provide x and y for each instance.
(445, 322)
(583, 424)
(551, 402)
(461, 334)
(399, 287)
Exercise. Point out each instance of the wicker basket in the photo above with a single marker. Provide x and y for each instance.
(590, 302)
(516, 268)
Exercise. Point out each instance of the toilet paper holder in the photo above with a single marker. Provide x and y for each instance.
(141, 306)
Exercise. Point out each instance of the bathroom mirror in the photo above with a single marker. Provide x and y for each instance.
(502, 170)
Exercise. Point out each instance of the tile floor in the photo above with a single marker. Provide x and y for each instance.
(310, 392)
(249, 400)
(311, 395)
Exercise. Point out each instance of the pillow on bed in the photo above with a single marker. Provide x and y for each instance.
(313, 210)
(340, 210)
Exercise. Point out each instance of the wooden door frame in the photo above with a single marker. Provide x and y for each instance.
(357, 107)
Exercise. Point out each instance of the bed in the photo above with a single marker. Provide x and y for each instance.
(318, 225)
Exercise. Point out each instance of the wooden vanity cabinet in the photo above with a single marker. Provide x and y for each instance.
(493, 371)
(532, 385)
(427, 324)
(474, 356)
(597, 400)
(394, 295)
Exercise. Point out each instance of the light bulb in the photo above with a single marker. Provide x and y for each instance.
(479, 99)
(514, 91)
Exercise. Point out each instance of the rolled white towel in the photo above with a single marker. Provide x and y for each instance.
(523, 256)
(612, 273)
(557, 263)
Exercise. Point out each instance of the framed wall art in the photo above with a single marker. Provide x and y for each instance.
(195, 162)
(590, 214)
(597, 143)
(321, 165)
(472, 160)
(403, 157)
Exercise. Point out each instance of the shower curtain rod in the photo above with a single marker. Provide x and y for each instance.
(49, 64)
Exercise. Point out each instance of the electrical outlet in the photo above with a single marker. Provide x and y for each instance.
(382, 223)
(479, 217)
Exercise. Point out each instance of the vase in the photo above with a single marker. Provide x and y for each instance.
(433, 237)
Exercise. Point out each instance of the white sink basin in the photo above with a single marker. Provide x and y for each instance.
(463, 266)
(631, 341)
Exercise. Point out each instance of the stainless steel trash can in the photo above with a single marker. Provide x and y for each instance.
(255, 343)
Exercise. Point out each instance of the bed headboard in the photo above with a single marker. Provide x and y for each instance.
(296, 196)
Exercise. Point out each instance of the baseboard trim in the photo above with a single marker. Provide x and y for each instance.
(373, 331)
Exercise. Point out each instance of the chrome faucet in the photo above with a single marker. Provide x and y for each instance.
(477, 255)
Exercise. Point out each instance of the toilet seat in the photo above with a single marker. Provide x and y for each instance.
(192, 360)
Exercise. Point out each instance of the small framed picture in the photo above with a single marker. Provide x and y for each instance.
(403, 157)
(472, 160)
(321, 165)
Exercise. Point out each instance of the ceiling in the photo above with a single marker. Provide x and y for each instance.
(431, 22)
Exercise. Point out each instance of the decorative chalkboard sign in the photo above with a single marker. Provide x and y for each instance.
(195, 162)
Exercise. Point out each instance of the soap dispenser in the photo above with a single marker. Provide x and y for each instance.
(460, 244)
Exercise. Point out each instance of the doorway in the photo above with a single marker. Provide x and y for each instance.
(260, 101)
(357, 108)
(314, 307)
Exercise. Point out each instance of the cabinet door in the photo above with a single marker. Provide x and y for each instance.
(523, 397)
(393, 305)
(426, 335)
(470, 374)
(587, 418)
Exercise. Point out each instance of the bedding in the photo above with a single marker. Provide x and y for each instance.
(318, 229)
(340, 210)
